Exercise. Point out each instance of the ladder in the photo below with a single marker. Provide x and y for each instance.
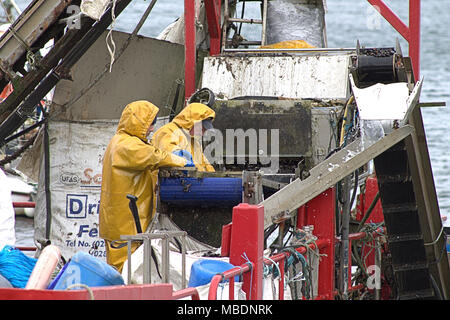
(237, 40)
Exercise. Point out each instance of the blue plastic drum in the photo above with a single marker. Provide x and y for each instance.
(201, 191)
(203, 270)
(88, 270)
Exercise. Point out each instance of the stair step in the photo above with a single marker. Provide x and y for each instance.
(410, 267)
(404, 237)
(418, 295)
(389, 178)
(410, 208)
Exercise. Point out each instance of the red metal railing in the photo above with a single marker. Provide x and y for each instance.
(243, 240)
(280, 258)
(184, 293)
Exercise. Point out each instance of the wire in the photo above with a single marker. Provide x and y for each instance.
(111, 45)
(109, 65)
(89, 290)
(437, 238)
(344, 121)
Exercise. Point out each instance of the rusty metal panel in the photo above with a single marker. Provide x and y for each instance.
(304, 128)
(148, 69)
(321, 76)
(291, 119)
(30, 25)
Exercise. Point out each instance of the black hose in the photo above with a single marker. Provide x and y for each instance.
(369, 211)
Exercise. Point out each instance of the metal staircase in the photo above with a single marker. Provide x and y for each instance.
(412, 219)
(237, 40)
(404, 232)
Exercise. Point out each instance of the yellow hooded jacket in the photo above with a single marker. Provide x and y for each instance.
(127, 169)
(175, 135)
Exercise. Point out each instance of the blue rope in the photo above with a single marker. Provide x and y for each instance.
(15, 266)
(244, 256)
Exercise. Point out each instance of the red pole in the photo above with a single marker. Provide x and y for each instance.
(247, 245)
(189, 48)
(414, 40)
(213, 16)
(320, 212)
(187, 292)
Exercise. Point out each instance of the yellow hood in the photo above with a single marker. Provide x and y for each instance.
(193, 113)
(130, 166)
(136, 118)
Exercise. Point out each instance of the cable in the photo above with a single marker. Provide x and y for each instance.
(369, 211)
(112, 51)
(89, 290)
(109, 65)
(344, 120)
(437, 238)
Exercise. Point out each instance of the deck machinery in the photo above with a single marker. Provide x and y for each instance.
(311, 100)
(290, 130)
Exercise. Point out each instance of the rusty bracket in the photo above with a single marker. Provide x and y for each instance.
(282, 217)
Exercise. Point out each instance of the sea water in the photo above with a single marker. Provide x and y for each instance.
(347, 21)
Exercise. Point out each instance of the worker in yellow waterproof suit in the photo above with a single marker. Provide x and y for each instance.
(128, 164)
(182, 134)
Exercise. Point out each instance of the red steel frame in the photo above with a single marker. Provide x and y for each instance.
(212, 8)
(411, 34)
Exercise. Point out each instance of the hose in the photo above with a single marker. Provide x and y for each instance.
(344, 121)
(369, 211)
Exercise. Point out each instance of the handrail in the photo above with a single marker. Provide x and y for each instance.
(187, 292)
(227, 275)
(24, 204)
(239, 270)
(279, 258)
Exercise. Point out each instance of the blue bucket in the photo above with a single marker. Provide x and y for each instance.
(88, 270)
(203, 270)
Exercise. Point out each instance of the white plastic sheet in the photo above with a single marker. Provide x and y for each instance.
(94, 8)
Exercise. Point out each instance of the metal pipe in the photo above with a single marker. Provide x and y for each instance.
(147, 261)
(24, 204)
(190, 48)
(48, 210)
(165, 259)
(183, 261)
(251, 21)
(264, 23)
(129, 261)
(378, 265)
(187, 292)
(345, 243)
